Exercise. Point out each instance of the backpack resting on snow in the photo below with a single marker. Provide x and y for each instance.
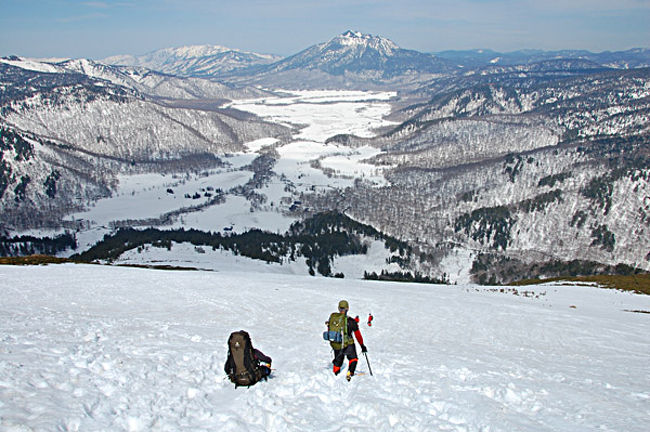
(242, 367)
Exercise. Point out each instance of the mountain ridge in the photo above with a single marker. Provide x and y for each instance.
(194, 60)
(352, 58)
(626, 59)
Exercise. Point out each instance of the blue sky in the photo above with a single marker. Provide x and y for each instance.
(97, 29)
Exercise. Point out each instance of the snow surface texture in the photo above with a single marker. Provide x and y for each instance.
(98, 348)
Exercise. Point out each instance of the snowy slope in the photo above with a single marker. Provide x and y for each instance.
(93, 348)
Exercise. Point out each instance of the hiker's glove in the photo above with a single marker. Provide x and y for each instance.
(363, 348)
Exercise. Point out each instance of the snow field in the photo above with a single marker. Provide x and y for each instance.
(144, 196)
(324, 113)
(90, 348)
(204, 258)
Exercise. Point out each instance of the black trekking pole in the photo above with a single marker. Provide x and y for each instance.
(368, 361)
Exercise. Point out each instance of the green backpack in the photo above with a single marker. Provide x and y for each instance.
(337, 331)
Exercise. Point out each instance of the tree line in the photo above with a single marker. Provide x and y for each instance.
(30, 245)
(319, 239)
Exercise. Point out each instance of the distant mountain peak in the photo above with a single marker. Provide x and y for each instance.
(360, 41)
(363, 57)
(359, 37)
(353, 34)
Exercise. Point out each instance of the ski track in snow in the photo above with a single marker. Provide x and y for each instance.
(97, 348)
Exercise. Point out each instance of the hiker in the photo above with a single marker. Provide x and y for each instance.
(245, 364)
(344, 346)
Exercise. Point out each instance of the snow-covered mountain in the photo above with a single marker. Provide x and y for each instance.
(87, 347)
(140, 79)
(98, 110)
(349, 60)
(66, 135)
(363, 54)
(195, 61)
(355, 60)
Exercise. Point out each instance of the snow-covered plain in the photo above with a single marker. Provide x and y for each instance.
(324, 113)
(100, 348)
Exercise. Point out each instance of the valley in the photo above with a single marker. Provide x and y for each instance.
(487, 170)
(141, 199)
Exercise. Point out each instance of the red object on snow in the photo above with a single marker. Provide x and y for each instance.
(370, 318)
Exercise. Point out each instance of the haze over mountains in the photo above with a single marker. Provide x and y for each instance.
(494, 166)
